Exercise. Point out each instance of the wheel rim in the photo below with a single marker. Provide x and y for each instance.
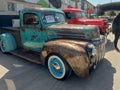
(2, 46)
(56, 67)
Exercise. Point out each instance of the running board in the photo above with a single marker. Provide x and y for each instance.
(32, 57)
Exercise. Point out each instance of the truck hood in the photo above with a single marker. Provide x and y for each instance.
(92, 21)
(72, 31)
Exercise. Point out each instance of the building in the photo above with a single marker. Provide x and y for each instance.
(9, 11)
(16, 5)
(12, 7)
(9, 8)
(81, 4)
(89, 8)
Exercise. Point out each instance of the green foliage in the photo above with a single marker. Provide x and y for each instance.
(43, 3)
(112, 13)
(22, 0)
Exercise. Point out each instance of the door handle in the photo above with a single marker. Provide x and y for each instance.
(34, 36)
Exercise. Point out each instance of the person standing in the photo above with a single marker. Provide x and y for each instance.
(116, 31)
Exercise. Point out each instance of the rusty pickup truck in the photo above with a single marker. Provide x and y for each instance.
(45, 38)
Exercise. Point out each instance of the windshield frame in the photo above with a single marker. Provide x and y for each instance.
(81, 14)
(53, 18)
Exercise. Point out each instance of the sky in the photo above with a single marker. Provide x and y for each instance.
(96, 2)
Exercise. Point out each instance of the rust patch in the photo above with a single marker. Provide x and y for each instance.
(73, 52)
(44, 53)
(79, 63)
(72, 31)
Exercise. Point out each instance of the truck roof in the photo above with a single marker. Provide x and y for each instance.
(72, 9)
(43, 9)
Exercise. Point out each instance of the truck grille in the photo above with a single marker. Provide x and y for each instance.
(100, 46)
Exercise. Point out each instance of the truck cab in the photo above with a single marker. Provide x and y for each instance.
(44, 37)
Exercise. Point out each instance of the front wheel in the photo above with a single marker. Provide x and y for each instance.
(58, 68)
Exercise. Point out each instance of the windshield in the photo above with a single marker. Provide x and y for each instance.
(80, 15)
(53, 18)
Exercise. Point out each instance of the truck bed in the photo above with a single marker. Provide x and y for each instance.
(10, 28)
(6, 20)
(14, 31)
(20, 52)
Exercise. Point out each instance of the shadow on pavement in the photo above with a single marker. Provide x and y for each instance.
(24, 75)
(109, 46)
(100, 79)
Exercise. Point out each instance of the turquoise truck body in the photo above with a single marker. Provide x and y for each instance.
(44, 37)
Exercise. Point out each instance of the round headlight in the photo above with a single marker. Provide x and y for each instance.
(94, 51)
(91, 49)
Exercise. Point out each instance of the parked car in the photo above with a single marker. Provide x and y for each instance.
(77, 16)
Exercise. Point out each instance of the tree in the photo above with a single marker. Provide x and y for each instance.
(112, 13)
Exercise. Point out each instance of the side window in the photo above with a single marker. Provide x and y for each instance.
(69, 15)
(78, 15)
(30, 19)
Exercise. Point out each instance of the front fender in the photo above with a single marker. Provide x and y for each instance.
(73, 52)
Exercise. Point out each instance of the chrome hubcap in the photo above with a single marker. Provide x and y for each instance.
(56, 66)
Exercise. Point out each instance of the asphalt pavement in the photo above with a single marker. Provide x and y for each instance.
(18, 74)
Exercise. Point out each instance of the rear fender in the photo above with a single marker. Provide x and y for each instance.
(9, 41)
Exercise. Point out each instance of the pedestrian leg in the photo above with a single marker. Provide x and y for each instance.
(116, 41)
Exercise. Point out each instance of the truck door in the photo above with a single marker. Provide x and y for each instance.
(31, 34)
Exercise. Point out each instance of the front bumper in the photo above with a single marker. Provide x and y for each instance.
(100, 52)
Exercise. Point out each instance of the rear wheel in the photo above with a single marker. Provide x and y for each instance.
(58, 68)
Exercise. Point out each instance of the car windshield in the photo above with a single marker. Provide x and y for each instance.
(53, 18)
(80, 15)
